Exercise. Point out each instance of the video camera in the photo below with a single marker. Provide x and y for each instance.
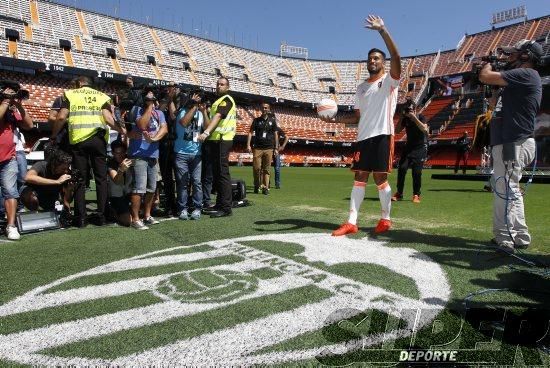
(497, 65)
(20, 94)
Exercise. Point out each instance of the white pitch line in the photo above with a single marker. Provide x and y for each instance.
(28, 342)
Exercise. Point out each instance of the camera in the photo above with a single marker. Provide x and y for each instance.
(496, 64)
(76, 176)
(20, 94)
(407, 107)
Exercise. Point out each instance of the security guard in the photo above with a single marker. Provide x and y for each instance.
(87, 113)
(219, 137)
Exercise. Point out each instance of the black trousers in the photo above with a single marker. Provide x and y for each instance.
(206, 175)
(413, 158)
(94, 151)
(166, 163)
(219, 157)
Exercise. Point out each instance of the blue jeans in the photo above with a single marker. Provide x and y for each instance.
(8, 179)
(22, 167)
(188, 167)
(277, 168)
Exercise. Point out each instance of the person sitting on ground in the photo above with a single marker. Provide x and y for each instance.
(48, 181)
(119, 183)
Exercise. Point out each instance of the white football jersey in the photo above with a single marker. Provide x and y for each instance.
(376, 101)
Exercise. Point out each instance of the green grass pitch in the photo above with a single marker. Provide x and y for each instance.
(214, 294)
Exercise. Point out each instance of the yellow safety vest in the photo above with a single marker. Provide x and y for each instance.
(85, 116)
(226, 129)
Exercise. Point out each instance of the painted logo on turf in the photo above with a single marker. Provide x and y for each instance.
(220, 277)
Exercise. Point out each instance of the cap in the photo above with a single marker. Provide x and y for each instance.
(525, 46)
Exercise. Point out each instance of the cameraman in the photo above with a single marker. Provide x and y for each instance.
(512, 138)
(10, 96)
(168, 105)
(119, 183)
(190, 123)
(266, 142)
(463, 147)
(144, 151)
(415, 151)
(47, 180)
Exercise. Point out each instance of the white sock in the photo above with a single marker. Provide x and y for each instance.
(384, 193)
(357, 196)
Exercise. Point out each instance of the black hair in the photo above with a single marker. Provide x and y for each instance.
(377, 50)
(117, 143)
(58, 157)
(84, 81)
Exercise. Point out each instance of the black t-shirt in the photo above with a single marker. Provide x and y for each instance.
(57, 103)
(521, 100)
(463, 144)
(281, 133)
(264, 132)
(224, 107)
(415, 136)
(41, 168)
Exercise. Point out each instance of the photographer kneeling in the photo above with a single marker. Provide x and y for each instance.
(415, 152)
(512, 138)
(119, 183)
(47, 180)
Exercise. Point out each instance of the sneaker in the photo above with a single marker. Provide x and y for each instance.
(138, 225)
(397, 197)
(150, 221)
(265, 191)
(488, 188)
(383, 226)
(184, 215)
(506, 248)
(344, 229)
(416, 198)
(196, 214)
(12, 233)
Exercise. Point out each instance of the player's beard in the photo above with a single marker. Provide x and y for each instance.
(374, 69)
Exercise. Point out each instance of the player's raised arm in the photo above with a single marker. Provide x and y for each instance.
(376, 23)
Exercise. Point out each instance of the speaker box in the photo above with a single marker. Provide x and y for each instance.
(31, 222)
(151, 60)
(12, 34)
(65, 44)
(111, 52)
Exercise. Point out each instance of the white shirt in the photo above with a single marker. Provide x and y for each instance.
(376, 101)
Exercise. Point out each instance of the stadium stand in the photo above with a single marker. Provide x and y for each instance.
(161, 54)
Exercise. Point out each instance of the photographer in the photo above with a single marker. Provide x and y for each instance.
(168, 104)
(144, 150)
(415, 151)
(190, 123)
(266, 142)
(10, 96)
(463, 147)
(47, 180)
(119, 183)
(512, 138)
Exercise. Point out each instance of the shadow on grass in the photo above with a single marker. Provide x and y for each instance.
(481, 190)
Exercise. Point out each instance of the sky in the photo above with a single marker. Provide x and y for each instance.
(329, 29)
